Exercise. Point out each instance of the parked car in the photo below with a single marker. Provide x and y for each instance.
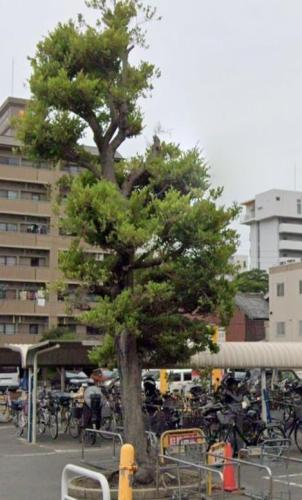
(9, 378)
(178, 379)
(77, 378)
(101, 375)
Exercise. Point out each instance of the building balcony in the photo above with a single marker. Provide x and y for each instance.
(26, 207)
(248, 217)
(26, 240)
(26, 173)
(293, 245)
(290, 228)
(52, 308)
(31, 308)
(27, 273)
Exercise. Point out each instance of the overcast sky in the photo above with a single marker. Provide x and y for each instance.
(231, 82)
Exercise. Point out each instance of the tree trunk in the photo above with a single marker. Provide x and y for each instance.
(107, 162)
(134, 428)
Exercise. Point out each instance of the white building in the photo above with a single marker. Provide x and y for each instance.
(275, 220)
(285, 303)
(241, 261)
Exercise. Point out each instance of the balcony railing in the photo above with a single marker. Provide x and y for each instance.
(248, 216)
(16, 161)
(14, 227)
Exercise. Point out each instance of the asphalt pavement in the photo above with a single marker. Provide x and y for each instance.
(33, 472)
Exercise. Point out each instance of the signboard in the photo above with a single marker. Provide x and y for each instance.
(218, 454)
(175, 441)
(217, 459)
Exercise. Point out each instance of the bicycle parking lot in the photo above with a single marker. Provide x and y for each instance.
(84, 427)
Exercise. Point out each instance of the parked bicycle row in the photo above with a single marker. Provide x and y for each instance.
(231, 413)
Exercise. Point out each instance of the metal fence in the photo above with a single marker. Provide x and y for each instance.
(116, 436)
(175, 466)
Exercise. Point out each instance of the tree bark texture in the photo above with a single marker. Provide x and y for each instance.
(130, 372)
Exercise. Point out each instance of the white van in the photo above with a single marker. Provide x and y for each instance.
(9, 378)
(180, 380)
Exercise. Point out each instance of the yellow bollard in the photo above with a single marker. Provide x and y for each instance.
(163, 381)
(216, 372)
(127, 467)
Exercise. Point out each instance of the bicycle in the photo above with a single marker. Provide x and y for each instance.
(47, 416)
(292, 422)
(251, 431)
(19, 412)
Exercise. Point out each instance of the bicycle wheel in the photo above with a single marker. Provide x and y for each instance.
(64, 420)
(41, 423)
(273, 438)
(107, 424)
(90, 438)
(53, 425)
(298, 435)
(74, 427)
(20, 427)
(21, 424)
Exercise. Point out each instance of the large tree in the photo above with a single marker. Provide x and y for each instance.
(166, 243)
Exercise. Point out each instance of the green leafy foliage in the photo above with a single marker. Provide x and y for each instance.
(254, 281)
(58, 333)
(166, 242)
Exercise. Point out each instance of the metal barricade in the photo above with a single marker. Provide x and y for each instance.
(182, 490)
(286, 472)
(100, 432)
(259, 468)
(71, 469)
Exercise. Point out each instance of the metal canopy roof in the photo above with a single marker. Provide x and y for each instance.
(251, 355)
(28, 351)
(69, 353)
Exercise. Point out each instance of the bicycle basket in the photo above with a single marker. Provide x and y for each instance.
(225, 418)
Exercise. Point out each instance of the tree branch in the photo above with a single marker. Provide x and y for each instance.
(133, 179)
(96, 129)
(114, 121)
(75, 157)
(118, 140)
(146, 264)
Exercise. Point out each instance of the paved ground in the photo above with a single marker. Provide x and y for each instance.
(33, 472)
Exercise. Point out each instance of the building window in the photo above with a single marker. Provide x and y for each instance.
(6, 260)
(12, 195)
(300, 328)
(8, 227)
(7, 329)
(280, 328)
(12, 228)
(277, 198)
(299, 207)
(33, 329)
(300, 287)
(280, 289)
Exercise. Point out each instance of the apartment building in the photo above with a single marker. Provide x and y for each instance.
(285, 303)
(275, 221)
(30, 242)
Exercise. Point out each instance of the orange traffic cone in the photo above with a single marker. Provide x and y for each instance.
(229, 481)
